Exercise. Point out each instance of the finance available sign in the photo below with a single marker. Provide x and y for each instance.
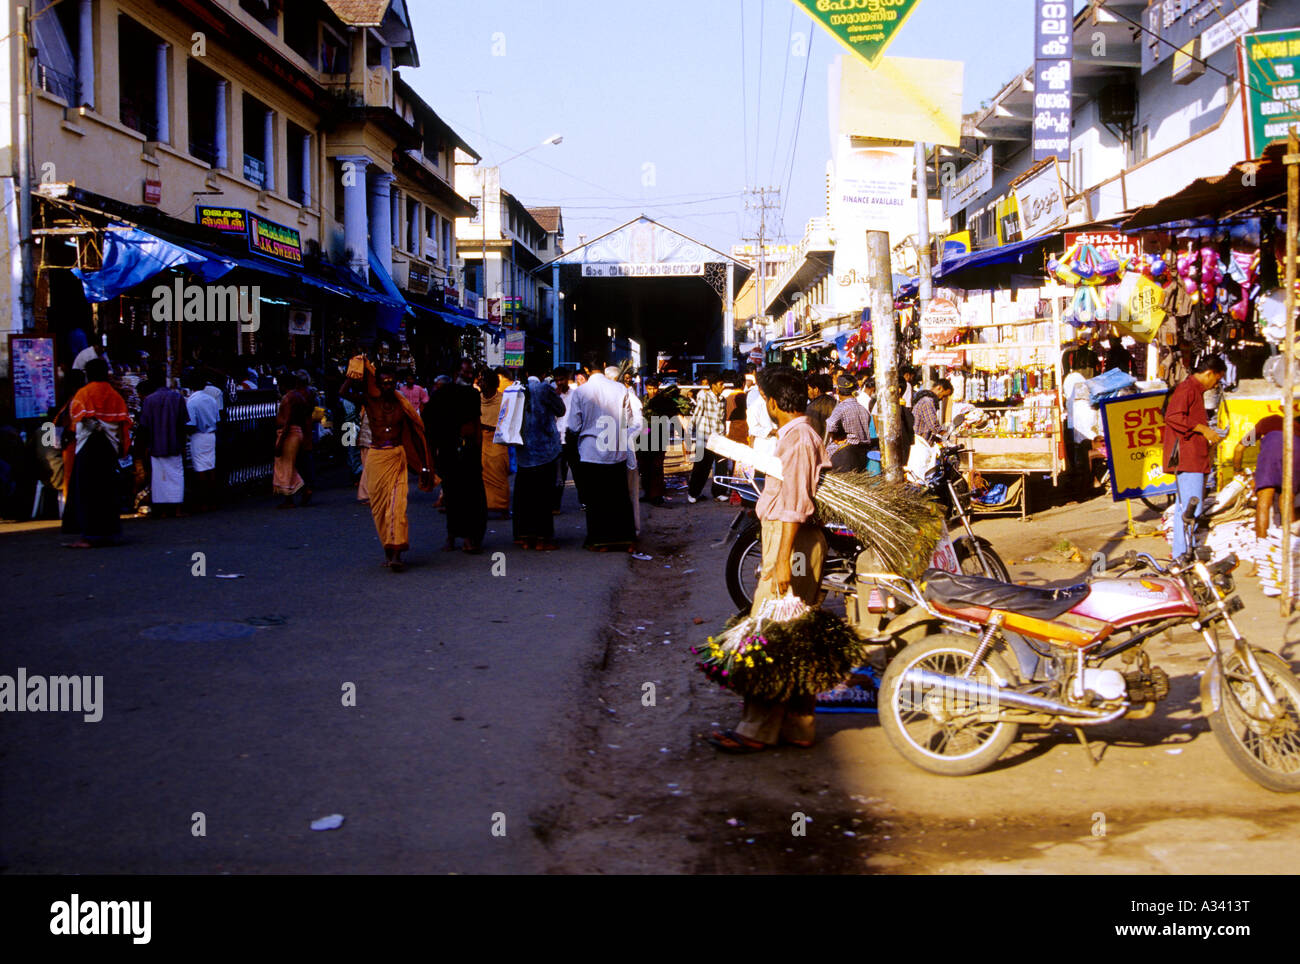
(865, 27)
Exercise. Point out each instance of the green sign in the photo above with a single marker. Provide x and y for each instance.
(865, 27)
(1270, 69)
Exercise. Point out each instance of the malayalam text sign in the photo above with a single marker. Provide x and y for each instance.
(628, 269)
(1053, 78)
(1135, 428)
(225, 220)
(864, 27)
(1270, 68)
(976, 178)
(274, 240)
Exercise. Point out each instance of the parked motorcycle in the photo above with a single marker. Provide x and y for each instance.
(1008, 656)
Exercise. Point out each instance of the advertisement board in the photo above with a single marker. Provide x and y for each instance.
(1040, 199)
(274, 240)
(1134, 427)
(31, 373)
(1270, 65)
(225, 220)
(1053, 78)
(865, 29)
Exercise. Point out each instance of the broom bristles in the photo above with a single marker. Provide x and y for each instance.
(901, 522)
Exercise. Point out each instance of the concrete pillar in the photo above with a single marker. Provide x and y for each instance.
(268, 148)
(413, 230)
(354, 211)
(161, 87)
(395, 219)
(381, 230)
(729, 316)
(221, 146)
(557, 318)
(306, 170)
(86, 52)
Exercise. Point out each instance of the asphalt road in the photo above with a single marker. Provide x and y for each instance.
(225, 697)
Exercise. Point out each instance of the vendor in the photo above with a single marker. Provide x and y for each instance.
(1268, 467)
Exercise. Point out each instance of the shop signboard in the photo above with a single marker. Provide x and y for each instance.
(274, 240)
(1040, 199)
(1121, 245)
(1053, 78)
(975, 179)
(31, 373)
(417, 278)
(494, 310)
(1234, 24)
(514, 357)
(865, 29)
(1134, 427)
(225, 220)
(1270, 68)
(644, 270)
(152, 191)
(1173, 25)
(300, 321)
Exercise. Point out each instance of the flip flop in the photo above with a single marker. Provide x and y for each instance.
(729, 741)
(800, 744)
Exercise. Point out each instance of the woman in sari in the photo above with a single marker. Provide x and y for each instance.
(496, 457)
(294, 414)
(98, 415)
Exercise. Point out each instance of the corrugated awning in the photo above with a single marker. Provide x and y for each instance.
(1246, 186)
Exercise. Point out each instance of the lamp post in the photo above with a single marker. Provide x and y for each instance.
(482, 204)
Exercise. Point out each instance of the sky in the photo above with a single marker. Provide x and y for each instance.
(662, 109)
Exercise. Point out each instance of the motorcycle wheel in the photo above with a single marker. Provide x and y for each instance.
(1266, 750)
(949, 749)
(969, 559)
(743, 565)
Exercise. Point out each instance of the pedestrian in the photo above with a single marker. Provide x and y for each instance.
(1188, 440)
(568, 453)
(709, 417)
(496, 457)
(1268, 475)
(398, 445)
(538, 460)
(658, 409)
(103, 436)
(600, 417)
(789, 530)
(414, 393)
(1083, 422)
(163, 422)
(908, 388)
(363, 444)
(452, 427)
(762, 432)
(853, 422)
(927, 406)
(291, 417)
(204, 416)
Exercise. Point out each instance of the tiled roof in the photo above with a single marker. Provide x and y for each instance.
(548, 218)
(359, 13)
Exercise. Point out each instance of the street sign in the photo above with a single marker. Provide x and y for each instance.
(1134, 427)
(866, 29)
(1270, 71)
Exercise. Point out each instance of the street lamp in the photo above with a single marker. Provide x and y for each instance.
(482, 204)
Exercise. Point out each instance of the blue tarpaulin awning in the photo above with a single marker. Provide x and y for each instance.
(1011, 255)
(132, 256)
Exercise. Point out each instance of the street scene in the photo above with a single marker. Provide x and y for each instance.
(769, 437)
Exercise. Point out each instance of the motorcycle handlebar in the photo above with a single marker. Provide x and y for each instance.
(1190, 512)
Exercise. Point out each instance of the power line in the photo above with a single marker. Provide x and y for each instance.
(780, 112)
(794, 139)
(758, 100)
(744, 97)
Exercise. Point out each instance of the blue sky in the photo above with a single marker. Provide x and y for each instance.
(657, 114)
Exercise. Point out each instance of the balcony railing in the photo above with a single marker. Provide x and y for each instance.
(816, 237)
(60, 85)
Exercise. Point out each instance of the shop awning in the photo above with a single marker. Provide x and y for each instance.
(133, 256)
(982, 268)
(1241, 192)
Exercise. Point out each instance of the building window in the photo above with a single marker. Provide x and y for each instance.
(333, 52)
(201, 102)
(263, 11)
(297, 144)
(137, 58)
(257, 159)
(446, 243)
(431, 233)
(301, 32)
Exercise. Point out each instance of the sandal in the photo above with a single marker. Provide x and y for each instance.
(729, 741)
(800, 744)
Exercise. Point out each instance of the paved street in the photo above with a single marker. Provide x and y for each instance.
(522, 695)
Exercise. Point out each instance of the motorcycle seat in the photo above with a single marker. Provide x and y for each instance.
(949, 590)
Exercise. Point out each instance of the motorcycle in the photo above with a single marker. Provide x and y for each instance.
(1008, 656)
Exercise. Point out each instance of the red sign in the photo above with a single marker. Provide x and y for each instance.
(1121, 245)
(152, 192)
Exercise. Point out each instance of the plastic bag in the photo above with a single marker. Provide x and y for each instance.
(510, 422)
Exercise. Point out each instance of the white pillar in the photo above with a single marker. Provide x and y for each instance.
(306, 170)
(395, 219)
(729, 316)
(268, 149)
(86, 53)
(557, 323)
(354, 211)
(160, 86)
(220, 147)
(381, 231)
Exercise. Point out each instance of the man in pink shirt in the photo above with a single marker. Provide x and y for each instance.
(413, 393)
(794, 548)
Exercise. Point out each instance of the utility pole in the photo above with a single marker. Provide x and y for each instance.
(762, 206)
(924, 291)
(1291, 159)
(884, 342)
(25, 246)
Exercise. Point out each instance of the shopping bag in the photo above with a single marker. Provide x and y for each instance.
(510, 422)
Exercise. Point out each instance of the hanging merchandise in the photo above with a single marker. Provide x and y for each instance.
(1136, 307)
(857, 349)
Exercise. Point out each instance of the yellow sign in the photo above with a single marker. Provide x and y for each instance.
(1135, 428)
(902, 97)
(1240, 415)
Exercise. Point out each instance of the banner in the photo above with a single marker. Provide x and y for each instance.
(1053, 80)
(274, 240)
(514, 357)
(1135, 427)
(225, 220)
(628, 269)
(975, 179)
(1268, 62)
(873, 186)
(864, 27)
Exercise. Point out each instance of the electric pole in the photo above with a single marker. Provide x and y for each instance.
(762, 205)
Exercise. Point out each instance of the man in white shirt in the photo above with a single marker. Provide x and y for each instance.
(600, 418)
(762, 432)
(1082, 420)
(205, 414)
(568, 455)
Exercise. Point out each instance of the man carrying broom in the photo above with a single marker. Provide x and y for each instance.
(794, 548)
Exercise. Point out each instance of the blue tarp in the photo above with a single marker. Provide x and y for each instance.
(394, 307)
(1007, 254)
(132, 256)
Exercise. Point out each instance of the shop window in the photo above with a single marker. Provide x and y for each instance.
(411, 222)
(431, 232)
(446, 243)
(55, 68)
(201, 103)
(137, 59)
